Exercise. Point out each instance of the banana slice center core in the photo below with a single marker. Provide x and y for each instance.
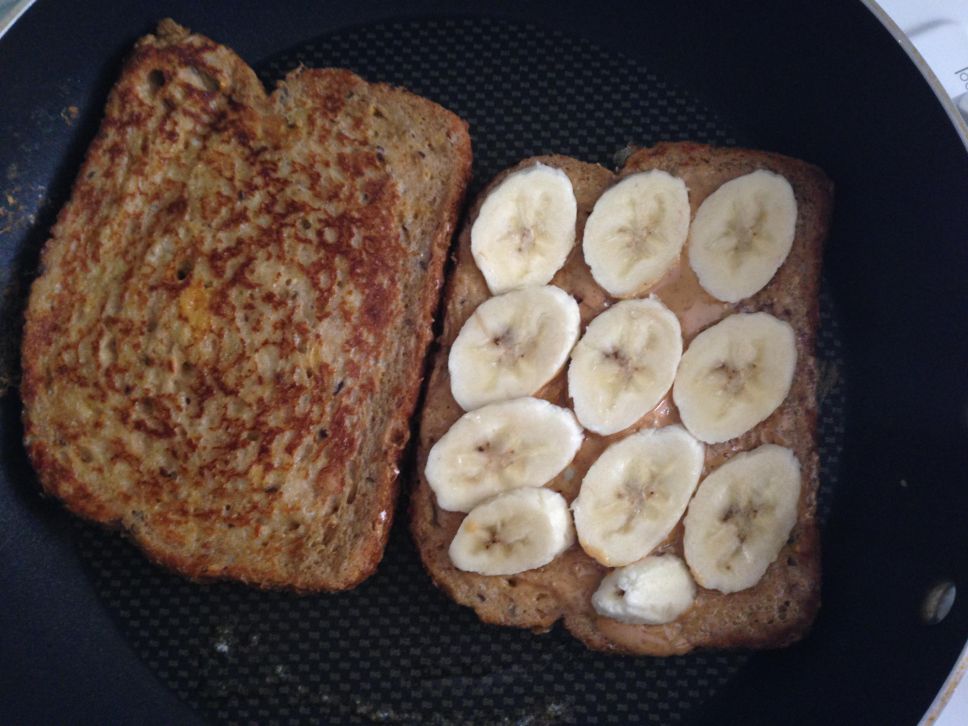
(626, 365)
(743, 235)
(736, 376)
(625, 368)
(523, 237)
(510, 348)
(733, 379)
(503, 536)
(743, 520)
(640, 495)
(643, 237)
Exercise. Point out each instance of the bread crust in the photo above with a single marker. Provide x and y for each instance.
(224, 348)
(780, 608)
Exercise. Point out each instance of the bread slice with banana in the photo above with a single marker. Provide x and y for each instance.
(690, 465)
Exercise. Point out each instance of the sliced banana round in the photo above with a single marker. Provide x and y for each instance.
(734, 375)
(515, 531)
(526, 442)
(741, 516)
(653, 591)
(525, 228)
(636, 232)
(512, 345)
(742, 233)
(624, 364)
(634, 494)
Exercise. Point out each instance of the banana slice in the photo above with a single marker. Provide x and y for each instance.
(652, 591)
(634, 494)
(636, 231)
(741, 516)
(512, 345)
(734, 375)
(742, 233)
(624, 364)
(515, 531)
(525, 228)
(522, 443)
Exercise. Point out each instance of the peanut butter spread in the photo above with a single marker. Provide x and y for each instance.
(563, 588)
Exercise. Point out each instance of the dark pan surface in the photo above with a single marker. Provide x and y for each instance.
(396, 649)
(93, 632)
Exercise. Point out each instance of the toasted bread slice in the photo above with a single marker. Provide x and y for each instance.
(225, 345)
(780, 608)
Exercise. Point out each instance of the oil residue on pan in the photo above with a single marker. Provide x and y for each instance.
(395, 649)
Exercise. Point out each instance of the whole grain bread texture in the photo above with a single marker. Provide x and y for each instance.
(224, 347)
(776, 611)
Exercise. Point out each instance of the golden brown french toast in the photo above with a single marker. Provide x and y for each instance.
(225, 344)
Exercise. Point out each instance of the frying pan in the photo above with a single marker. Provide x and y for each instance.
(90, 632)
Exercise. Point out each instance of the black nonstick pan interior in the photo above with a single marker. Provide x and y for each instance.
(92, 632)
